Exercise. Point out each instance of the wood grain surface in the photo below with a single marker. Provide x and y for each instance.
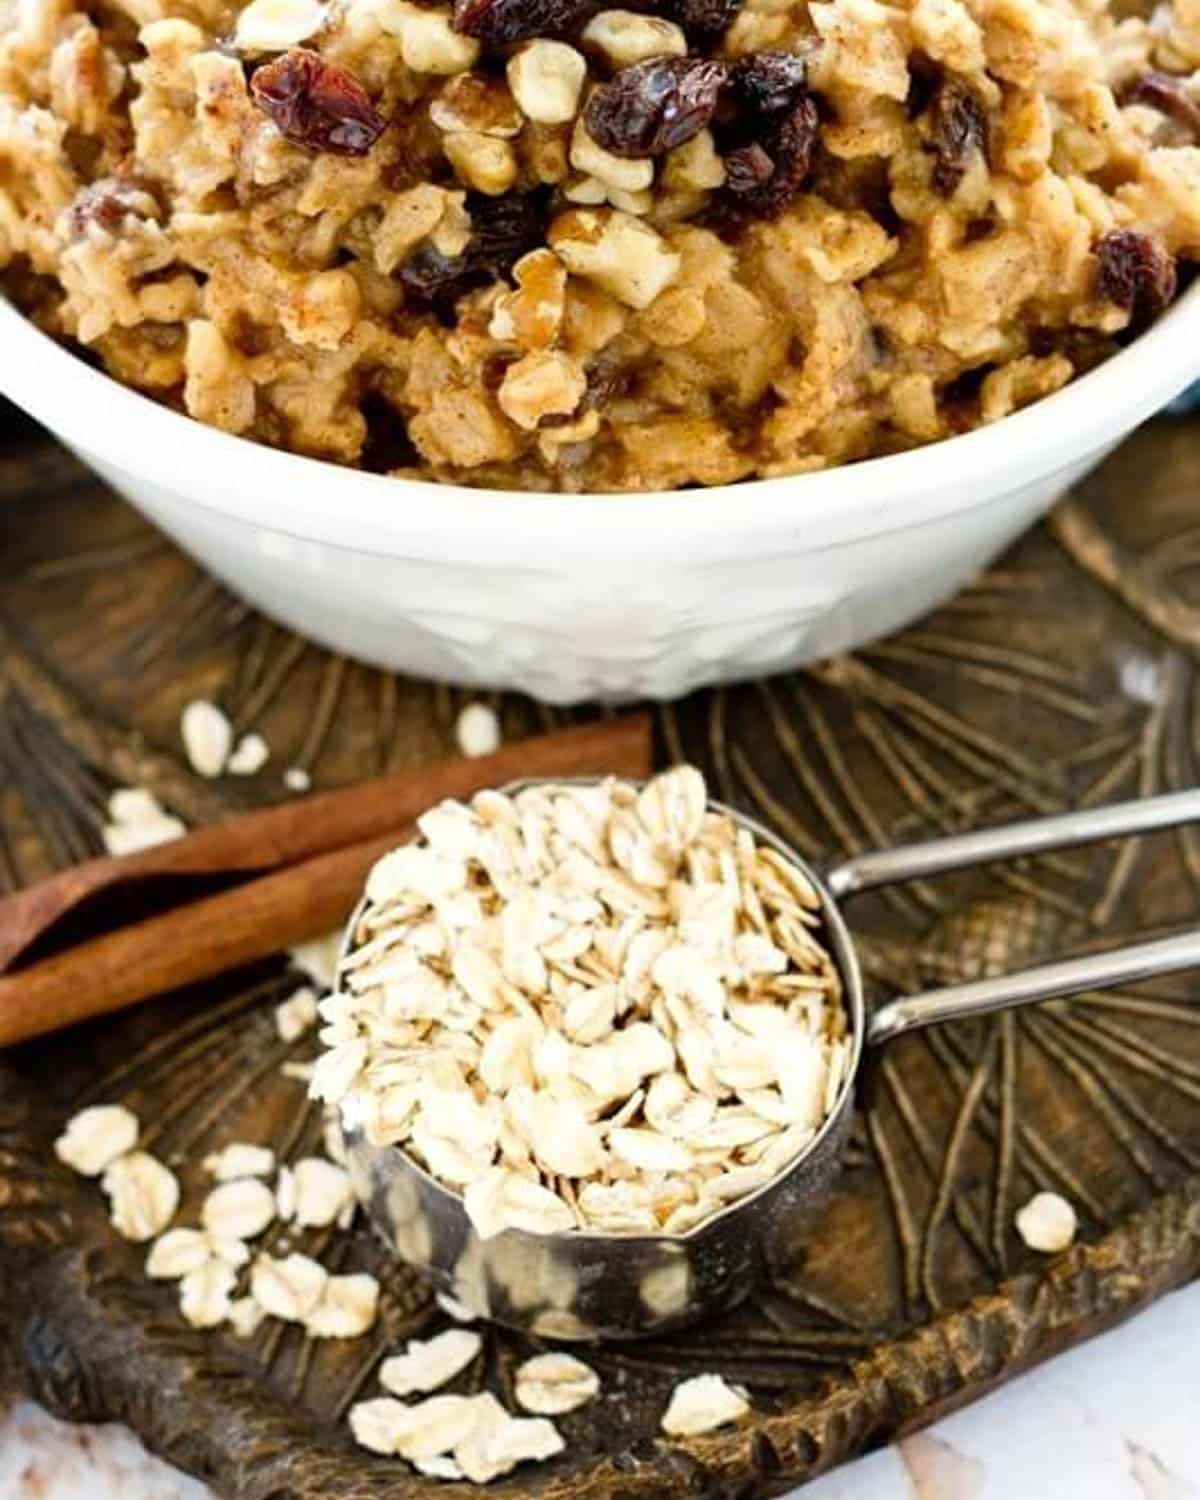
(1065, 676)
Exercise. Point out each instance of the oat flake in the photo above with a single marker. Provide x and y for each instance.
(96, 1137)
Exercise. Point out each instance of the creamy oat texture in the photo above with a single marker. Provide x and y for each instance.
(536, 243)
(588, 1007)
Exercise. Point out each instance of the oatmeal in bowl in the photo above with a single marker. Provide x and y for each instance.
(541, 244)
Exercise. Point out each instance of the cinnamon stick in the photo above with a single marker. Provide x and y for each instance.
(274, 837)
(191, 943)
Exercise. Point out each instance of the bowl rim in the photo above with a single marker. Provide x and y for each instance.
(242, 477)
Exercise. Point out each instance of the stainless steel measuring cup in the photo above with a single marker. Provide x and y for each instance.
(591, 1286)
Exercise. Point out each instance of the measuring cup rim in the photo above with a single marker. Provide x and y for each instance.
(842, 951)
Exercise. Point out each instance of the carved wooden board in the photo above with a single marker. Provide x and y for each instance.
(1066, 675)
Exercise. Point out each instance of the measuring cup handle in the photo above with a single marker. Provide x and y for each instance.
(864, 872)
(1072, 976)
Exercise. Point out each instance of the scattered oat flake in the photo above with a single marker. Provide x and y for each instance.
(1047, 1223)
(345, 1309)
(439, 1467)
(438, 1425)
(205, 1295)
(497, 1442)
(143, 1196)
(319, 1193)
(290, 1288)
(318, 958)
(378, 1425)
(178, 1253)
(251, 752)
(477, 730)
(96, 1137)
(240, 1159)
(426, 1365)
(245, 1317)
(701, 1404)
(552, 1384)
(207, 737)
(296, 1015)
(239, 1210)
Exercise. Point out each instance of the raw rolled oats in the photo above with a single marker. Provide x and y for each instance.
(701, 1404)
(96, 1137)
(288, 1288)
(1047, 1223)
(143, 1195)
(136, 821)
(588, 1007)
(550, 1385)
(207, 737)
(345, 1309)
(318, 1193)
(206, 1294)
(240, 1159)
(238, 1210)
(427, 1364)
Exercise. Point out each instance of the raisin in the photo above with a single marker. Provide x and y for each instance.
(436, 281)
(1135, 273)
(924, 75)
(767, 83)
(317, 104)
(1168, 95)
(498, 22)
(747, 168)
(109, 202)
(705, 19)
(790, 146)
(958, 128)
(504, 229)
(655, 105)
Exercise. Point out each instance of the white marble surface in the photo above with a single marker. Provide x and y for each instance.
(1118, 1419)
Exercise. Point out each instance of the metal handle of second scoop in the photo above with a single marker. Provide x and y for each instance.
(1071, 976)
(865, 872)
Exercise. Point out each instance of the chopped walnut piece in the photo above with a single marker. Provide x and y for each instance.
(547, 80)
(625, 37)
(429, 40)
(477, 102)
(629, 174)
(617, 252)
(481, 162)
(544, 383)
(276, 25)
(532, 315)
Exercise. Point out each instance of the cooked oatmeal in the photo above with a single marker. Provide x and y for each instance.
(541, 244)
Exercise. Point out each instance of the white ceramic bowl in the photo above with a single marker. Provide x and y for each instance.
(603, 597)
